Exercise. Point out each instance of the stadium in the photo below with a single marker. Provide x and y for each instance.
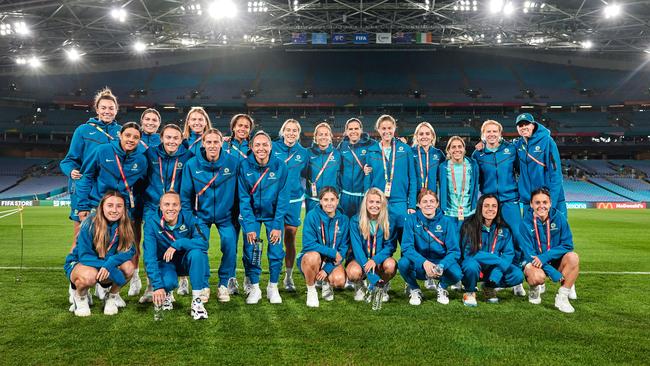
(578, 67)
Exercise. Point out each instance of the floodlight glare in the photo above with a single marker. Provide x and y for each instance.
(496, 6)
(118, 14)
(139, 46)
(34, 62)
(587, 44)
(612, 11)
(220, 9)
(73, 54)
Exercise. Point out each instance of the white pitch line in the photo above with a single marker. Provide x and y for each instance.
(241, 270)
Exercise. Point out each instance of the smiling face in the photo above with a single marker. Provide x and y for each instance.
(323, 137)
(525, 129)
(428, 205)
(457, 151)
(373, 205)
(261, 148)
(489, 209)
(197, 122)
(129, 139)
(242, 128)
(212, 144)
(291, 133)
(170, 206)
(424, 137)
(492, 135)
(150, 123)
(386, 130)
(329, 202)
(171, 140)
(353, 131)
(541, 204)
(113, 208)
(106, 110)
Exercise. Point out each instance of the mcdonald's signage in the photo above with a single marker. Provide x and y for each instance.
(620, 205)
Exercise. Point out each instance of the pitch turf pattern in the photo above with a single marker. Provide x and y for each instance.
(610, 325)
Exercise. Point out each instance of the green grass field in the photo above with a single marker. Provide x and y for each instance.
(610, 325)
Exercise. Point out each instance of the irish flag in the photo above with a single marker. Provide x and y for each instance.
(423, 37)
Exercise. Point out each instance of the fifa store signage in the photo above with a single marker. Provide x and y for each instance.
(18, 203)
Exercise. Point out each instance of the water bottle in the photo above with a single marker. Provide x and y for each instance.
(377, 294)
(437, 269)
(257, 252)
(157, 312)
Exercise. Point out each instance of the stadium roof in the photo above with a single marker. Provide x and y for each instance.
(48, 30)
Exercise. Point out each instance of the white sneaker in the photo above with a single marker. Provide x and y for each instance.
(415, 297)
(100, 292)
(384, 295)
(519, 290)
(198, 310)
(312, 298)
(534, 296)
(273, 294)
(80, 304)
(71, 293)
(562, 303)
(205, 295)
(168, 304)
(110, 305)
(136, 284)
(349, 285)
(458, 286)
(183, 286)
(233, 286)
(147, 296)
(247, 285)
(490, 294)
(443, 297)
(319, 284)
(469, 299)
(327, 293)
(360, 292)
(288, 284)
(223, 294)
(430, 284)
(119, 301)
(572, 293)
(542, 288)
(254, 294)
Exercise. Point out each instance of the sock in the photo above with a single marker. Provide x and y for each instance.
(564, 291)
(311, 288)
(273, 284)
(135, 273)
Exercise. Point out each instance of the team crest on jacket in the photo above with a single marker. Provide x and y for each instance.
(298, 158)
(438, 228)
(506, 151)
(553, 226)
(401, 148)
(363, 152)
(182, 228)
(500, 232)
(272, 175)
(135, 166)
(179, 165)
(332, 158)
(226, 171)
(538, 149)
(436, 157)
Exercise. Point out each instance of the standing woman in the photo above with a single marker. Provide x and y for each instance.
(458, 182)
(429, 249)
(373, 244)
(208, 191)
(354, 150)
(241, 126)
(164, 174)
(150, 122)
(289, 150)
(324, 166)
(539, 161)
(96, 131)
(102, 255)
(391, 170)
(498, 166)
(325, 244)
(197, 122)
(488, 249)
(427, 157)
(263, 190)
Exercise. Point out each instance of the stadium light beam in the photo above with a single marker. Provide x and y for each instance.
(496, 6)
(221, 9)
(612, 11)
(587, 44)
(73, 54)
(139, 46)
(21, 29)
(34, 62)
(119, 14)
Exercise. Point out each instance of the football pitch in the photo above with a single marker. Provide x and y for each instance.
(610, 326)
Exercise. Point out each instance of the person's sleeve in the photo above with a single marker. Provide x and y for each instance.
(356, 241)
(89, 171)
(413, 182)
(408, 245)
(554, 166)
(564, 246)
(150, 256)
(310, 241)
(72, 159)
(187, 189)
(118, 258)
(451, 242)
(85, 248)
(245, 208)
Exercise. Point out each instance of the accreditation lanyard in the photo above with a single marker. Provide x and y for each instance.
(198, 138)
(322, 169)
(167, 233)
(289, 158)
(144, 144)
(259, 180)
(372, 250)
(548, 236)
(239, 151)
(356, 157)
(494, 241)
(424, 175)
(433, 236)
(532, 157)
(162, 177)
(102, 131)
(462, 187)
(113, 241)
(322, 232)
(126, 184)
(205, 188)
(384, 160)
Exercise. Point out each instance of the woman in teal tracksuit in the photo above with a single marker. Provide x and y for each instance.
(263, 190)
(391, 170)
(97, 131)
(426, 156)
(488, 248)
(175, 245)
(373, 243)
(548, 250)
(458, 182)
(289, 150)
(354, 150)
(429, 249)
(197, 122)
(324, 168)
(325, 241)
(237, 144)
(150, 122)
(102, 255)
(208, 190)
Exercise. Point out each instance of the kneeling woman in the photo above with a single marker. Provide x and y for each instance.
(488, 248)
(325, 241)
(429, 248)
(102, 255)
(174, 245)
(548, 251)
(373, 243)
